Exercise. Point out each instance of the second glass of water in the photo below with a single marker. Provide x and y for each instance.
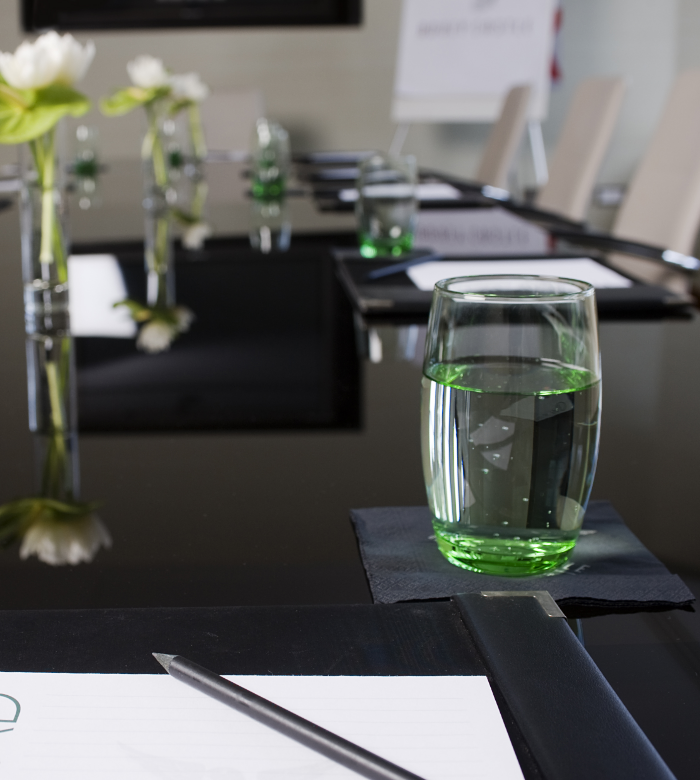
(386, 205)
(510, 413)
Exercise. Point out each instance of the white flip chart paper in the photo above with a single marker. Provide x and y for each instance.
(107, 726)
(479, 231)
(458, 58)
(426, 276)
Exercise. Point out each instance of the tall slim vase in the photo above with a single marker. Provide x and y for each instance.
(159, 197)
(53, 415)
(43, 213)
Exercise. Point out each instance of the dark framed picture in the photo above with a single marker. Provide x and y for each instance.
(139, 14)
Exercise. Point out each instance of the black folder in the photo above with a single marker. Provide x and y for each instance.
(563, 718)
(395, 299)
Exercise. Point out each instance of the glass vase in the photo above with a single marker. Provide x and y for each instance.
(159, 259)
(159, 199)
(43, 212)
(157, 156)
(53, 415)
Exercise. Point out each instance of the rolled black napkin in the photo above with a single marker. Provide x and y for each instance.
(609, 568)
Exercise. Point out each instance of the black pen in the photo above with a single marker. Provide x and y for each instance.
(325, 742)
(397, 268)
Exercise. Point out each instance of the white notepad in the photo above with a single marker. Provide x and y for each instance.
(426, 276)
(110, 726)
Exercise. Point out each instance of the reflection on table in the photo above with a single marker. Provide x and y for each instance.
(272, 344)
(226, 465)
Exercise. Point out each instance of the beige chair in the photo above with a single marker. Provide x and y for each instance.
(581, 147)
(229, 118)
(505, 138)
(662, 204)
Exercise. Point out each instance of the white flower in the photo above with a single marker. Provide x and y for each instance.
(148, 72)
(50, 59)
(184, 317)
(156, 336)
(58, 542)
(189, 86)
(195, 235)
(75, 59)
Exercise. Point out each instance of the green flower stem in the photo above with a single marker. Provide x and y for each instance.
(162, 297)
(157, 259)
(161, 249)
(197, 132)
(157, 256)
(59, 251)
(153, 148)
(52, 247)
(56, 455)
(199, 200)
(48, 214)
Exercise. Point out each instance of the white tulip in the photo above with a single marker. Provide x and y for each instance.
(50, 59)
(148, 72)
(195, 235)
(60, 542)
(189, 86)
(156, 336)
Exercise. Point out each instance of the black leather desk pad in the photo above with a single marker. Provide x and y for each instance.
(395, 298)
(563, 718)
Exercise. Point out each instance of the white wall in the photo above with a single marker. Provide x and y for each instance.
(332, 86)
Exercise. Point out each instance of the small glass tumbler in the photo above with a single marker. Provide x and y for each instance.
(271, 160)
(386, 205)
(510, 413)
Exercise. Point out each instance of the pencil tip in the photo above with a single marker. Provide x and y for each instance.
(164, 660)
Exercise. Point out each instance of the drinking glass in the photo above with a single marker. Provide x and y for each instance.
(386, 205)
(510, 411)
(271, 160)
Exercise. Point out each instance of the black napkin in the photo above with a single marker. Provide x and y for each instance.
(609, 567)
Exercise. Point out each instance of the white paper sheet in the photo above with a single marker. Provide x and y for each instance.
(96, 284)
(424, 192)
(426, 276)
(151, 726)
(464, 56)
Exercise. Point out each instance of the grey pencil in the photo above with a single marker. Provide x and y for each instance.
(325, 742)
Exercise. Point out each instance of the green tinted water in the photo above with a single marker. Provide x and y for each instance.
(509, 454)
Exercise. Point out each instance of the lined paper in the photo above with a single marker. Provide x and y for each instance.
(152, 726)
(426, 276)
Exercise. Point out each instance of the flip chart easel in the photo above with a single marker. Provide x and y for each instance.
(457, 59)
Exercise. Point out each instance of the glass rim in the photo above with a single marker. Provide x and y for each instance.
(581, 290)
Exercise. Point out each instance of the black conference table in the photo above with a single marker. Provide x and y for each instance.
(225, 468)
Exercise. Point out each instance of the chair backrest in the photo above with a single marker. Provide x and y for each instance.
(504, 138)
(229, 118)
(581, 147)
(662, 205)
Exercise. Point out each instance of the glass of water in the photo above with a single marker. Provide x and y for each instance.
(271, 160)
(386, 205)
(510, 412)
